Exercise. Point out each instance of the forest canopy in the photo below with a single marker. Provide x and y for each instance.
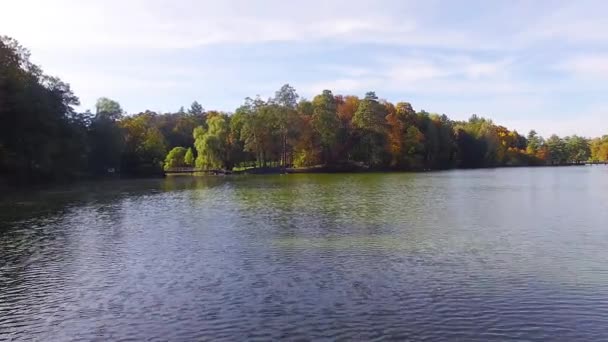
(43, 138)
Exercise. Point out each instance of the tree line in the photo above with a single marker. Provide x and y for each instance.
(43, 138)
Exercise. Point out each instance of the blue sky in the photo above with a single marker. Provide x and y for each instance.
(525, 64)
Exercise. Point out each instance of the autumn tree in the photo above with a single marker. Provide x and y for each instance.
(307, 147)
(599, 149)
(144, 145)
(42, 137)
(346, 108)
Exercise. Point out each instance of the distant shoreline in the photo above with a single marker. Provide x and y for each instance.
(333, 169)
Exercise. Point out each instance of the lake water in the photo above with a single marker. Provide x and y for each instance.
(499, 254)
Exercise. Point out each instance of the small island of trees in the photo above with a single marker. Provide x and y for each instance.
(42, 137)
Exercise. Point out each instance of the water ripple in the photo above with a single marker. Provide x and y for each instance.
(466, 255)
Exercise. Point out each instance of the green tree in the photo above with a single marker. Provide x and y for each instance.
(255, 125)
(284, 105)
(577, 149)
(177, 128)
(439, 141)
(106, 137)
(42, 138)
(370, 115)
(145, 145)
(534, 142)
(369, 120)
(325, 121)
(176, 158)
(106, 143)
(108, 109)
(557, 150)
(489, 134)
(305, 108)
(189, 157)
(413, 148)
(213, 150)
(196, 109)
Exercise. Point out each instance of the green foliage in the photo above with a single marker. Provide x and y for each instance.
(176, 158)
(286, 97)
(145, 145)
(189, 157)
(106, 143)
(196, 109)
(177, 127)
(283, 107)
(534, 142)
(253, 124)
(108, 109)
(42, 138)
(370, 116)
(557, 150)
(325, 121)
(577, 148)
(414, 148)
(305, 108)
(370, 120)
(212, 145)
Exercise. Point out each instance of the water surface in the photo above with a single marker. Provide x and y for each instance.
(504, 254)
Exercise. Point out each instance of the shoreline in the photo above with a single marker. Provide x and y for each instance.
(332, 170)
(8, 187)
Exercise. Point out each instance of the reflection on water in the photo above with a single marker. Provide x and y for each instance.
(460, 255)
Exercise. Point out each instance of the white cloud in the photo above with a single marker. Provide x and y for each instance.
(433, 75)
(185, 24)
(588, 123)
(341, 86)
(189, 23)
(573, 22)
(413, 70)
(484, 69)
(591, 66)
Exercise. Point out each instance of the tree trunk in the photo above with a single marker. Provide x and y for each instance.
(284, 154)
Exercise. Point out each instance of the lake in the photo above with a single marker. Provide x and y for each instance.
(493, 254)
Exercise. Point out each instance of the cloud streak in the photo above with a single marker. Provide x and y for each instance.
(589, 66)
